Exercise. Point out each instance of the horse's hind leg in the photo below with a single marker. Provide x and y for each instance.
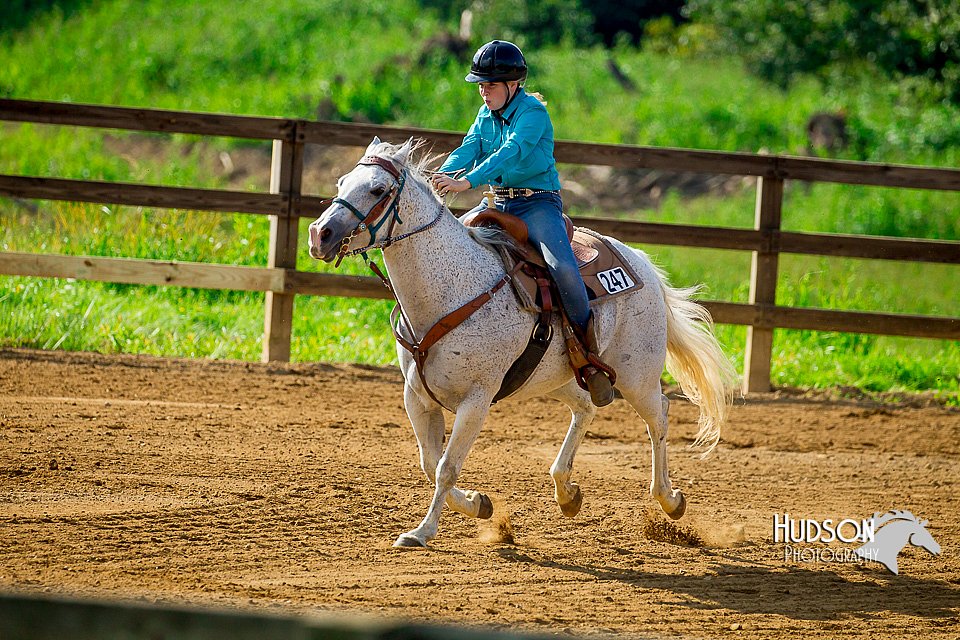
(429, 428)
(567, 493)
(652, 406)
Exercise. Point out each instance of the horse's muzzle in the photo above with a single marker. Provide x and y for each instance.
(324, 244)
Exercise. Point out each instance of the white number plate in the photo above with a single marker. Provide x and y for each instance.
(615, 280)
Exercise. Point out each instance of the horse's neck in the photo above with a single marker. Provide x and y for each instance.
(895, 533)
(437, 270)
(888, 541)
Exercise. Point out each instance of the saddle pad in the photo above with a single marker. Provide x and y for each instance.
(604, 271)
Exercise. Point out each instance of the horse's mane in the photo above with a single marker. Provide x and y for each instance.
(881, 519)
(496, 240)
(417, 162)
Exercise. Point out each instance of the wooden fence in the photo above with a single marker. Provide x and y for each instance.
(286, 204)
(25, 616)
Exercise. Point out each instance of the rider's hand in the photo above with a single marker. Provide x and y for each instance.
(444, 184)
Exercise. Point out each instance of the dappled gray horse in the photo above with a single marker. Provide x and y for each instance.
(436, 264)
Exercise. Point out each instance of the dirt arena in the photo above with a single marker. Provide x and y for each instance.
(282, 487)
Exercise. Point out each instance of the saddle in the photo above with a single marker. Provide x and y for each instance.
(604, 271)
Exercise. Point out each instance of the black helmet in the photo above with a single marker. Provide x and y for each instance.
(497, 61)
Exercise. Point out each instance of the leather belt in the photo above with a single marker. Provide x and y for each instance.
(506, 193)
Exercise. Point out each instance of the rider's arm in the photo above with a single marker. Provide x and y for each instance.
(526, 133)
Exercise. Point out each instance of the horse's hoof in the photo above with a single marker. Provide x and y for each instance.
(572, 508)
(407, 541)
(486, 508)
(677, 513)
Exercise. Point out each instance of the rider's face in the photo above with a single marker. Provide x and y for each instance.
(495, 94)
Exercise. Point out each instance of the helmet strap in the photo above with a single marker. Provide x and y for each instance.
(510, 97)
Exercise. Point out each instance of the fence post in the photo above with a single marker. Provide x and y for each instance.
(286, 176)
(763, 284)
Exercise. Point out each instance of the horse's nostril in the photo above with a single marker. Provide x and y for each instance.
(324, 234)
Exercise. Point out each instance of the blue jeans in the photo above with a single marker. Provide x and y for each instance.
(543, 214)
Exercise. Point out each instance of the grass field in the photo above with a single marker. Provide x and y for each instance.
(288, 60)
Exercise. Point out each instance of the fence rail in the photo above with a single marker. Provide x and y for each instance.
(26, 616)
(822, 244)
(285, 204)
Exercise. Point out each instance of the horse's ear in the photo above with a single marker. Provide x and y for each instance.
(372, 146)
(403, 153)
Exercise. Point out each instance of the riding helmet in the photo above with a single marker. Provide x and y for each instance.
(497, 61)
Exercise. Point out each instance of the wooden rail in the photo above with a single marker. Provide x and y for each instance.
(285, 204)
(30, 617)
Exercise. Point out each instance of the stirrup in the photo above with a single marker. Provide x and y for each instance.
(591, 373)
(599, 386)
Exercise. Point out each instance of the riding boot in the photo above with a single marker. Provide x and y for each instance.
(599, 382)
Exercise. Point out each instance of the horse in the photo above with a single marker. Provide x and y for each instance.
(437, 264)
(899, 528)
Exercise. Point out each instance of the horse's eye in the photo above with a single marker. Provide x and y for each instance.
(377, 191)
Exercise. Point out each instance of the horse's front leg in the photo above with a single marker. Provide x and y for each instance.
(429, 427)
(466, 427)
(567, 493)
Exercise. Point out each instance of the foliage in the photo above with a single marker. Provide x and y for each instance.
(541, 22)
(780, 39)
(528, 23)
(614, 18)
(300, 60)
(15, 14)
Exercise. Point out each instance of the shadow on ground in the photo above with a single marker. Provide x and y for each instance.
(791, 591)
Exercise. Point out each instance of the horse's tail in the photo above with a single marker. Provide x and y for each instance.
(696, 360)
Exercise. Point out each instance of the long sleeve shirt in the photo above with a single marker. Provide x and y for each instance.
(512, 149)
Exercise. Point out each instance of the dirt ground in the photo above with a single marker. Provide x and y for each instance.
(282, 487)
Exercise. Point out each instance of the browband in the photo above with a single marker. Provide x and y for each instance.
(385, 164)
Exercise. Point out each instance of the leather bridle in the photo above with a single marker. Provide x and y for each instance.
(383, 210)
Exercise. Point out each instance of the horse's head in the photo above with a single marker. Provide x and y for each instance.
(367, 199)
(922, 538)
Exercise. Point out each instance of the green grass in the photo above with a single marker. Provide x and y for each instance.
(354, 61)
(58, 314)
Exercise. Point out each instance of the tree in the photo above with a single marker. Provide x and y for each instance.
(541, 22)
(630, 17)
(781, 38)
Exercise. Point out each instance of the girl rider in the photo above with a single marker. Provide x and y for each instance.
(511, 145)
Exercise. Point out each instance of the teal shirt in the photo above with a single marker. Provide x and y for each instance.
(512, 150)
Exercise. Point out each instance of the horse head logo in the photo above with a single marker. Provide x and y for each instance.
(899, 528)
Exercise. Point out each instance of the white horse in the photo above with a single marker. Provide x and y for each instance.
(436, 264)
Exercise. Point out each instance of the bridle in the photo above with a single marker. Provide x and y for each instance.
(382, 212)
